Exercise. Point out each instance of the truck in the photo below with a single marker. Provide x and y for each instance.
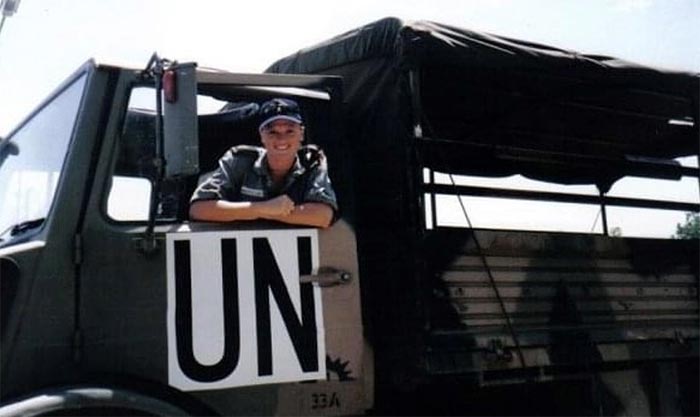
(115, 303)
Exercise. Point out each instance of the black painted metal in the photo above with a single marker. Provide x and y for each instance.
(559, 197)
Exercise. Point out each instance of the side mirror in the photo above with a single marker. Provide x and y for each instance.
(180, 131)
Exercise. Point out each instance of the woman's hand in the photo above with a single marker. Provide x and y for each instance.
(274, 208)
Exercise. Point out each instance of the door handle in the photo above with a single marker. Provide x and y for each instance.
(327, 277)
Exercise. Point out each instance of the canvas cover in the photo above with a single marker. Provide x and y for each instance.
(489, 105)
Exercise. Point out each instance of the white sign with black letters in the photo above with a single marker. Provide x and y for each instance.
(237, 312)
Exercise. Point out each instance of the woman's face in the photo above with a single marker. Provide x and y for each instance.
(282, 138)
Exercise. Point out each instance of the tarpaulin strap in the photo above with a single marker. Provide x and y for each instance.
(482, 256)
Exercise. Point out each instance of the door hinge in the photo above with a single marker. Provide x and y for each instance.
(77, 345)
(77, 249)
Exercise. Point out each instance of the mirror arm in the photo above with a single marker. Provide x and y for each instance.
(155, 70)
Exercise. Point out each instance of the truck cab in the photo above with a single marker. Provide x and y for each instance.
(113, 300)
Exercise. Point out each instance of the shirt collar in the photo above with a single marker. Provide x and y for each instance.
(261, 168)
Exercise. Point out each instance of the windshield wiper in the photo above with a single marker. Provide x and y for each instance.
(25, 226)
(22, 227)
(7, 148)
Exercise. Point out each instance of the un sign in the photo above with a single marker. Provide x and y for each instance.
(237, 313)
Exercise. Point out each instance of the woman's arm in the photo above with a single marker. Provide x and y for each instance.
(226, 211)
(279, 208)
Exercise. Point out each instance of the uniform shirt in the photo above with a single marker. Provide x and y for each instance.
(243, 175)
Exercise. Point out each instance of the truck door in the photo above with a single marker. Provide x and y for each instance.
(244, 318)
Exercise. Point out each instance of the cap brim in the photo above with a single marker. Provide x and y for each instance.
(280, 117)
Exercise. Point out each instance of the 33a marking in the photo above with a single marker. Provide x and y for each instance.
(323, 400)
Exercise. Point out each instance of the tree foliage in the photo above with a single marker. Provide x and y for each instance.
(690, 229)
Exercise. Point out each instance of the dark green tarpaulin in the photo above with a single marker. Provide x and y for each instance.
(487, 106)
(497, 106)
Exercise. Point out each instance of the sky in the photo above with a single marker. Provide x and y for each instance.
(46, 40)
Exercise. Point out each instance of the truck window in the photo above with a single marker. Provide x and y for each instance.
(129, 196)
(31, 159)
(133, 208)
(130, 192)
(227, 114)
(226, 117)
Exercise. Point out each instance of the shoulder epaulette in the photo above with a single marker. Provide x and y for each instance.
(246, 150)
(311, 156)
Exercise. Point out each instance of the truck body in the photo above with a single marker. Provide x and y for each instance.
(113, 301)
(429, 104)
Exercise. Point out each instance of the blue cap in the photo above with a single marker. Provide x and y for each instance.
(279, 108)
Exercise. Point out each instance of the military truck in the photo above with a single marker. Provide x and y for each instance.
(113, 302)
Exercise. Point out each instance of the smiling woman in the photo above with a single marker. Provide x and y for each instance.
(276, 182)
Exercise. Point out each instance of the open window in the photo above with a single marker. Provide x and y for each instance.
(226, 115)
(634, 207)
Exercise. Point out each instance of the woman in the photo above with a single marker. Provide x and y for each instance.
(275, 182)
